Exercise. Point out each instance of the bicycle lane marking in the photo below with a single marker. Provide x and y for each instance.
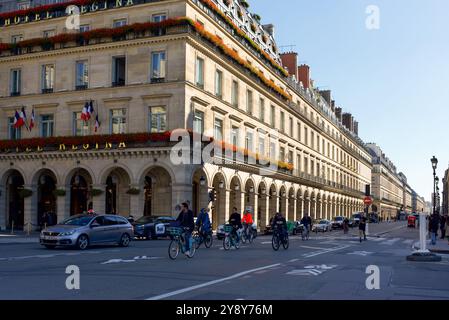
(210, 283)
(314, 254)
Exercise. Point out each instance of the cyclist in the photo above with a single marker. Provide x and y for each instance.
(306, 221)
(280, 222)
(185, 220)
(203, 223)
(236, 222)
(247, 222)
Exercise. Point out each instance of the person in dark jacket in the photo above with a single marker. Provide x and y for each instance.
(362, 228)
(185, 220)
(280, 222)
(235, 220)
(203, 222)
(433, 228)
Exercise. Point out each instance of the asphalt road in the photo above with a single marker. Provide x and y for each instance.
(328, 266)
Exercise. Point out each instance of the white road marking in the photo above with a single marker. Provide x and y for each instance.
(294, 260)
(210, 283)
(360, 253)
(390, 242)
(378, 239)
(131, 260)
(313, 254)
(410, 241)
(315, 248)
(312, 270)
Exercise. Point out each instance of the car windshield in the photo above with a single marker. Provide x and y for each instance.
(338, 218)
(356, 216)
(145, 220)
(78, 221)
(323, 222)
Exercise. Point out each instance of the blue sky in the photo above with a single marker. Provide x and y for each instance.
(394, 80)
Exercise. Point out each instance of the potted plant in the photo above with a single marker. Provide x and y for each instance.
(59, 193)
(133, 191)
(25, 193)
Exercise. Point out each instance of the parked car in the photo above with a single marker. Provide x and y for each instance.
(85, 230)
(322, 226)
(338, 222)
(152, 227)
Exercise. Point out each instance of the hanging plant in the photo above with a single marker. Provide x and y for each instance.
(257, 17)
(25, 193)
(59, 193)
(96, 192)
(133, 191)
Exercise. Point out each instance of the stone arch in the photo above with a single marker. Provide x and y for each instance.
(157, 192)
(44, 199)
(117, 181)
(78, 186)
(219, 207)
(200, 189)
(12, 204)
(262, 215)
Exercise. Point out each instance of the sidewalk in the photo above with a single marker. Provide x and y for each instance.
(379, 229)
(442, 246)
(18, 237)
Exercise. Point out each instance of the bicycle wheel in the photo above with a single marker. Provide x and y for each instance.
(173, 249)
(250, 237)
(286, 243)
(236, 243)
(198, 240)
(192, 251)
(243, 237)
(227, 243)
(208, 241)
(275, 242)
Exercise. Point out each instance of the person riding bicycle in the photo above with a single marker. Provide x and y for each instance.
(247, 221)
(280, 223)
(236, 222)
(185, 220)
(203, 223)
(306, 221)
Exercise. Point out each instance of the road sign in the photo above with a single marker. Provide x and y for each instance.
(368, 201)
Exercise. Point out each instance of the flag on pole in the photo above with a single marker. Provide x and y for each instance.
(97, 123)
(31, 126)
(85, 112)
(18, 120)
(90, 110)
(24, 117)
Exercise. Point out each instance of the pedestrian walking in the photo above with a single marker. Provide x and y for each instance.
(346, 225)
(362, 228)
(443, 222)
(433, 228)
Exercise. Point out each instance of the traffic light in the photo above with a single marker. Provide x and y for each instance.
(367, 190)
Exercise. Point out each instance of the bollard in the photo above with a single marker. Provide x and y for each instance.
(12, 227)
(28, 228)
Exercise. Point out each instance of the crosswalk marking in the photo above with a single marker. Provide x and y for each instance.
(410, 241)
(391, 241)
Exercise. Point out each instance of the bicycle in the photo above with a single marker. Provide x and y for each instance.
(248, 234)
(305, 233)
(231, 238)
(178, 243)
(278, 239)
(202, 237)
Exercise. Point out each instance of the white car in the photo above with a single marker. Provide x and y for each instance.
(322, 225)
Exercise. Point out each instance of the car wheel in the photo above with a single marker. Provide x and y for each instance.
(83, 242)
(49, 246)
(124, 241)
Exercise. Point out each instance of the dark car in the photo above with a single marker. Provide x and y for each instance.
(149, 227)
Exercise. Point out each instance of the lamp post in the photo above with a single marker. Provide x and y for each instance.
(423, 254)
(434, 162)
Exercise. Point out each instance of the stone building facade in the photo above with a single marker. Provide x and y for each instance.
(151, 67)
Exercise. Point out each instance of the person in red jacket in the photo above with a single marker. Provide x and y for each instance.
(247, 222)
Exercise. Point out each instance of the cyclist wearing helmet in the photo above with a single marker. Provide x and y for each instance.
(306, 221)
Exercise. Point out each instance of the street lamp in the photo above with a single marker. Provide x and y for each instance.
(202, 181)
(434, 162)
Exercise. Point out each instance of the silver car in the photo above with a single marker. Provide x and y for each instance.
(83, 230)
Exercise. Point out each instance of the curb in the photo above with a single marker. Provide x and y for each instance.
(442, 251)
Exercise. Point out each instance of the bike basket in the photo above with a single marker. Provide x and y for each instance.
(175, 231)
(228, 228)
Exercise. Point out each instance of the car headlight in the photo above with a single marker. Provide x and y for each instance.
(68, 233)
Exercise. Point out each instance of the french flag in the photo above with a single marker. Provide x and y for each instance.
(90, 110)
(31, 126)
(18, 120)
(97, 123)
(85, 113)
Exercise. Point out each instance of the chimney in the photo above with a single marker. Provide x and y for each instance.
(347, 122)
(326, 94)
(333, 105)
(290, 60)
(356, 127)
(338, 112)
(269, 28)
(304, 75)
